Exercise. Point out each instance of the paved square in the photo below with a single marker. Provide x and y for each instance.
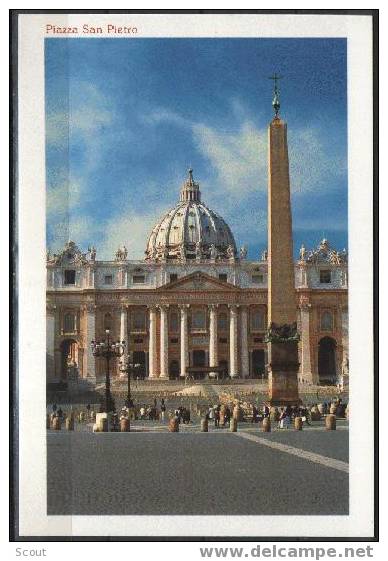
(216, 473)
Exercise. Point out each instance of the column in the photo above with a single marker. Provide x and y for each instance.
(152, 343)
(124, 325)
(184, 341)
(50, 342)
(163, 341)
(305, 366)
(233, 341)
(213, 343)
(90, 368)
(244, 342)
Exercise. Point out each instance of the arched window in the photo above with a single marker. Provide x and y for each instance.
(222, 321)
(257, 320)
(174, 324)
(198, 320)
(69, 323)
(327, 321)
(139, 320)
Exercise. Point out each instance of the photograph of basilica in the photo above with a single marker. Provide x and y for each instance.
(195, 306)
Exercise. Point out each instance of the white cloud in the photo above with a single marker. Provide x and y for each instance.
(87, 113)
(62, 198)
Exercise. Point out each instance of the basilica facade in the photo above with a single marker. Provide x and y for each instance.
(195, 306)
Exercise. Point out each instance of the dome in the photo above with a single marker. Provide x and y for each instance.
(191, 230)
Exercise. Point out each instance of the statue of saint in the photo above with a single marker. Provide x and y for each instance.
(302, 253)
(230, 251)
(243, 252)
(213, 251)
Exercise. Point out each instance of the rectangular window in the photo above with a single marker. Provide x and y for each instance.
(137, 340)
(223, 340)
(257, 279)
(138, 279)
(174, 340)
(325, 276)
(108, 279)
(223, 277)
(173, 277)
(70, 276)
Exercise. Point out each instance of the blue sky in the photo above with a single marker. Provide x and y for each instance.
(125, 118)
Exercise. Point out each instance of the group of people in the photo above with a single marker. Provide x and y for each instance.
(182, 414)
(151, 412)
(214, 414)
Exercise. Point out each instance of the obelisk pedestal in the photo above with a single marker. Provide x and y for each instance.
(282, 335)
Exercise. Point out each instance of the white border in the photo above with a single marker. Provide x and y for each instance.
(32, 473)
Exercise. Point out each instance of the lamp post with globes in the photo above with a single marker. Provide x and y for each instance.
(107, 349)
(128, 367)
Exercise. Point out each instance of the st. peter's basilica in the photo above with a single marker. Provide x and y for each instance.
(195, 306)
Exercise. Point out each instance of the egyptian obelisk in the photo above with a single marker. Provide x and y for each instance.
(282, 336)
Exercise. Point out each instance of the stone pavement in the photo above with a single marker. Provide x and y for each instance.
(249, 472)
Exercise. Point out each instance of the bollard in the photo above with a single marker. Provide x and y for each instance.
(233, 425)
(56, 423)
(298, 423)
(48, 422)
(124, 424)
(173, 425)
(347, 412)
(238, 413)
(204, 425)
(69, 423)
(103, 424)
(266, 424)
(330, 422)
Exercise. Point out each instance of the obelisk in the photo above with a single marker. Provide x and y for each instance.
(282, 335)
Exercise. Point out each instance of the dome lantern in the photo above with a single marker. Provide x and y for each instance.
(190, 190)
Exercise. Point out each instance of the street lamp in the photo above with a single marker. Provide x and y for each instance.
(129, 367)
(107, 349)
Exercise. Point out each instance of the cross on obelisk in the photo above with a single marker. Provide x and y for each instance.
(276, 98)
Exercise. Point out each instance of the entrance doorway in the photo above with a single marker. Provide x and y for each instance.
(69, 359)
(139, 357)
(258, 364)
(174, 370)
(199, 358)
(327, 361)
(224, 365)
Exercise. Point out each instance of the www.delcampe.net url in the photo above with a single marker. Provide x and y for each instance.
(275, 551)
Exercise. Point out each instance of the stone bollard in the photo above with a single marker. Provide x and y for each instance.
(238, 413)
(266, 424)
(347, 412)
(124, 424)
(103, 425)
(69, 423)
(233, 424)
(330, 422)
(298, 423)
(48, 422)
(173, 425)
(56, 423)
(204, 425)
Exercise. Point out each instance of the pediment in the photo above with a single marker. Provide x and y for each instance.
(198, 281)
